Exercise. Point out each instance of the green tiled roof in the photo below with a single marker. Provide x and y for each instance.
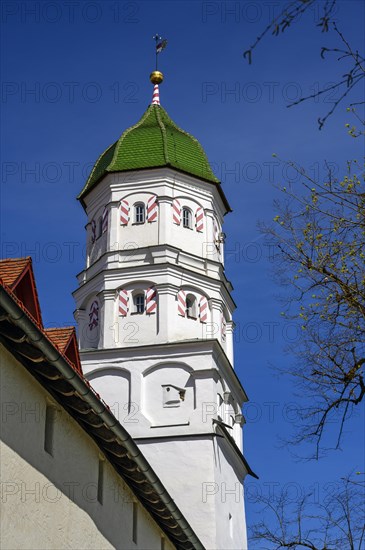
(154, 141)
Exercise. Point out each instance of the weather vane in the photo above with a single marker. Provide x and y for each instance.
(156, 77)
(161, 44)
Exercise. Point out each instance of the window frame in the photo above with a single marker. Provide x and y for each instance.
(137, 306)
(191, 309)
(187, 211)
(137, 214)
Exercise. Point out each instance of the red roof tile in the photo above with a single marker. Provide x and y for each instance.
(65, 339)
(17, 274)
(60, 336)
(12, 268)
(17, 277)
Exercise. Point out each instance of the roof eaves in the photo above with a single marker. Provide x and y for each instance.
(88, 185)
(85, 192)
(176, 527)
(38, 324)
(197, 143)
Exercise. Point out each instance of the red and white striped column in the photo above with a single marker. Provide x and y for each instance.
(156, 95)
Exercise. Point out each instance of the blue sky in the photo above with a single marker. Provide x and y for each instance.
(75, 77)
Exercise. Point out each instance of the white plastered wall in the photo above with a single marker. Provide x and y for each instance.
(50, 502)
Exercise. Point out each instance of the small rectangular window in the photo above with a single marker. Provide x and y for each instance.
(49, 429)
(186, 218)
(100, 481)
(139, 213)
(135, 522)
(139, 303)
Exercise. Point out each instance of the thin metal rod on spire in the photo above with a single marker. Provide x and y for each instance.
(161, 44)
(156, 38)
(156, 76)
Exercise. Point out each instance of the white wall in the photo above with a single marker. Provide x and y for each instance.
(228, 498)
(176, 435)
(164, 325)
(170, 399)
(133, 383)
(184, 465)
(167, 186)
(137, 255)
(49, 502)
(207, 485)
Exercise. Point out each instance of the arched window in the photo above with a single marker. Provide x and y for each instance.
(191, 312)
(139, 213)
(138, 302)
(186, 217)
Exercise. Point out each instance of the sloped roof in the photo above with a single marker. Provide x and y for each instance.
(154, 142)
(60, 336)
(17, 278)
(17, 274)
(65, 339)
(12, 268)
(35, 348)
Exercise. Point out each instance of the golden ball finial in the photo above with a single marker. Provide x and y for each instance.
(156, 77)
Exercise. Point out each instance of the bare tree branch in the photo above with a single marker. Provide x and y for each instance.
(355, 73)
(336, 523)
(319, 234)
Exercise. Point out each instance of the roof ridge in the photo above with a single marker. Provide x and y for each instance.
(22, 258)
(125, 133)
(205, 156)
(163, 131)
(12, 270)
(155, 141)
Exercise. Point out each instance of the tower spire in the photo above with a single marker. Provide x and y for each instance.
(156, 76)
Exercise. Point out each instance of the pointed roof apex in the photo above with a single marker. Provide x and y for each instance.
(154, 142)
(17, 274)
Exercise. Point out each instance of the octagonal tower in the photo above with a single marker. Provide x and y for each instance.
(154, 313)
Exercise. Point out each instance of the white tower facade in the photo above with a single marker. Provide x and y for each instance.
(154, 314)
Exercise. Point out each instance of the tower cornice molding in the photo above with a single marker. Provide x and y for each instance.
(182, 348)
(103, 263)
(130, 181)
(185, 276)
